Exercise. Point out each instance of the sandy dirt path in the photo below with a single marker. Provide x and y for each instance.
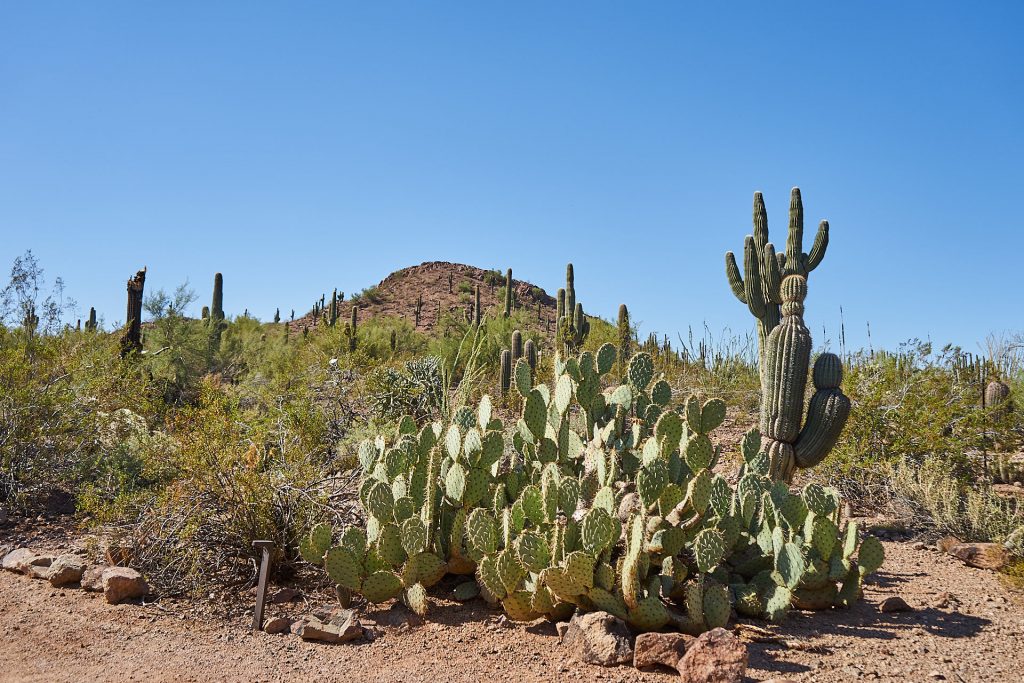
(70, 635)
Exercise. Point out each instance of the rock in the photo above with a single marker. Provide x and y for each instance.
(14, 559)
(561, 627)
(660, 649)
(277, 625)
(122, 583)
(981, 555)
(717, 656)
(947, 542)
(942, 600)
(894, 603)
(778, 680)
(599, 638)
(283, 595)
(630, 503)
(66, 569)
(37, 571)
(92, 579)
(919, 545)
(311, 628)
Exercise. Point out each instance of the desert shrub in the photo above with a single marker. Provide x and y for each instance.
(413, 390)
(465, 287)
(369, 295)
(926, 493)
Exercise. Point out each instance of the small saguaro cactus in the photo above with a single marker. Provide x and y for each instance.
(517, 346)
(417, 309)
(997, 399)
(90, 324)
(217, 305)
(393, 341)
(132, 339)
(763, 269)
(505, 371)
(508, 292)
(791, 440)
(530, 353)
(333, 316)
(625, 336)
(476, 305)
(277, 316)
(560, 304)
(206, 313)
(572, 325)
(450, 284)
(353, 328)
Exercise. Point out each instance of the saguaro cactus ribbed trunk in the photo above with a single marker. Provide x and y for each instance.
(132, 339)
(508, 292)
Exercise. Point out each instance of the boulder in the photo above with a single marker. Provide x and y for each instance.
(981, 555)
(17, 560)
(717, 656)
(660, 649)
(65, 570)
(122, 583)
(283, 595)
(599, 638)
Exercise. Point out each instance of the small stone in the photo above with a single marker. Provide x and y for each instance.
(660, 649)
(92, 579)
(122, 583)
(65, 570)
(311, 628)
(894, 603)
(277, 625)
(981, 555)
(283, 595)
(920, 545)
(599, 638)
(561, 627)
(947, 542)
(717, 656)
(937, 675)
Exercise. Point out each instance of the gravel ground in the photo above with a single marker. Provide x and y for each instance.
(69, 635)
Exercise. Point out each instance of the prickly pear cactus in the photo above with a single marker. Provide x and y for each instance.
(602, 496)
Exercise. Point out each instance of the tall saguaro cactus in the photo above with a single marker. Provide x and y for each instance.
(217, 305)
(353, 328)
(625, 337)
(90, 325)
(508, 292)
(759, 287)
(132, 339)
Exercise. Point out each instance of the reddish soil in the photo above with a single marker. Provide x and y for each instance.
(397, 294)
(976, 634)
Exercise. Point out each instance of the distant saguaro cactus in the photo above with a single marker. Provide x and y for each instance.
(476, 305)
(277, 316)
(90, 324)
(625, 337)
(508, 292)
(217, 305)
(353, 328)
(132, 339)
(205, 315)
(393, 341)
(334, 309)
(530, 352)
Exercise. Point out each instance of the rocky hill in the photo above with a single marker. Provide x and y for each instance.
(445, 287)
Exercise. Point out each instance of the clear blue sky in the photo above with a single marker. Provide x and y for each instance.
(298, 147)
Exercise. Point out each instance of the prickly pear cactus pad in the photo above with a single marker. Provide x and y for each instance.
(602, 494)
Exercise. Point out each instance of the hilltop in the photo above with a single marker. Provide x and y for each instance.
(445, 287)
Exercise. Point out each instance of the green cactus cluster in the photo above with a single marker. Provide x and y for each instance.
(600, 497)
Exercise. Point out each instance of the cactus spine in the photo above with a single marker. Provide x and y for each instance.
(764, 269)
(508, 292)
(132, 339)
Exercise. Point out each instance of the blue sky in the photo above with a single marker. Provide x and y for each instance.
(298, 147)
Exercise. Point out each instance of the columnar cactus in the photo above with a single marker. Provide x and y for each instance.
(625, 336)
(333, 314)
(572, 324)
(352, 329)
(997, 399)
(517, 345)
(417, 310)
(477, 317)
(560, 304)
(132, 339)
(792, 440)
(764, 269)
(508, 292)
(505, 371)
(277, 316)
(530, 353)
(217, 305)
(205, 315)
(90, 324)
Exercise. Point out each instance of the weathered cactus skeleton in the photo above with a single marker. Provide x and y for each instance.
(774, 290)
